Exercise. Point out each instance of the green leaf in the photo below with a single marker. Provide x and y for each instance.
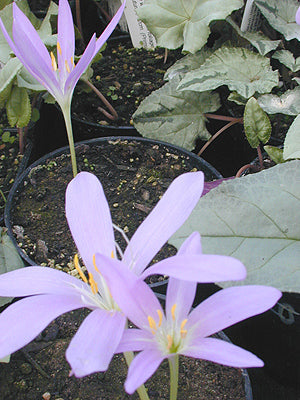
(256, 124)
(7, 74)
(281, 16)
(261, 42)
(27, 81)
(235, 97)
(240, 69)
(35, 114)
(9, 259)
(288, 103)
(18, 108)
(5, 359)
(275, 153)
(184, 22)
(286, 58)
(255, 219)
(175, 117)
(291, 147)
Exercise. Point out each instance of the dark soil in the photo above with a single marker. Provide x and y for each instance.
(41, 368)
(134, 177)
(125, 76)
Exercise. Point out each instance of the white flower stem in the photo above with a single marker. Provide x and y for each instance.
(142, 392)
(174, 365)
(67, 117)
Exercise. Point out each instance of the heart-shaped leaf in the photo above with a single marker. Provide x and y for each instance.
(291, 147)
(256, 124)
(255, 219)
(281, 16)
(184, 22)
(175, 117)
(18, 107)
(286, 58)
(240, 69)
(288, 103)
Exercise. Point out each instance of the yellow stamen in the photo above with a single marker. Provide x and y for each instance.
(58, 48)
(160, 315)
(93, 284)
(183, 332)
(72, 61)
(78, 268)
(54, 65)
(95, 266)
(152, 324)
(112, 254)
(67, 66)
(173, 311)
(170, 341)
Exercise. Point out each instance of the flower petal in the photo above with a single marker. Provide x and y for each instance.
(65, 38)
(22, 321)
(202, 268)
(179, 292)
(109, 29)
(142, 368)
(133, 296)
(222, 352)
(167, 216)
(232, 305)
(135, 340)
(95, 342)
(38, 280)
(89, 217)
(80, 67)
(32, 52)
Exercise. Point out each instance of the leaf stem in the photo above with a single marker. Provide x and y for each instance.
(142, 392)
(216, 135)
(113, 115)
(174, 366)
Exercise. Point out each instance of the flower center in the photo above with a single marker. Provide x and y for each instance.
(54, 63)
(169, 334)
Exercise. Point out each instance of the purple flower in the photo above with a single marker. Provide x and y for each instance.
(60, 80)
(180, 331)
(298, 16)
(89, 218)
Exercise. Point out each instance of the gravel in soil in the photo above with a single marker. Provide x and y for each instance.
(134, 176)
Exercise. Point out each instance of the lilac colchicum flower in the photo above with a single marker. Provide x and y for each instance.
(89, 219)
(53, 292)
(180, 331)
(298, 16)
(59, 78)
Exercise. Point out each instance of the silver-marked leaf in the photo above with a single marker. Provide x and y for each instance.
(286, 58)
(236, 98)
(256, 124)
(18, 108)
(7, 75)
(275, 153)
(184, 22)
(288, 103)
(240, 69)
(281, 16)
(291, 148)
(175, 117)
(26, 80)
(9, 259)
(261, 42)
(255, 219)
(187, 63)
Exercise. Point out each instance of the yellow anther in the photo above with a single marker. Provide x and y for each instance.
(183, 331)
(173, 311)
(112, 254)
(170, 341)
(152, 324)
(92, 283)
(54, 65)
(78, 269)
(58, 48)
(67, 66)
(72, 61)
(95, 266)
(160, 316)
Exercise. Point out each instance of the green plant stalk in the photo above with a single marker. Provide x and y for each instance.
(67, 117)
(174, 366)
(142, 392)
(2, 195)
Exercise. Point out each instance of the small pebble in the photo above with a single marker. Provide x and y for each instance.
(46, 396)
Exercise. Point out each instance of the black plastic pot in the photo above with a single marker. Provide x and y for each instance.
(194, 161)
